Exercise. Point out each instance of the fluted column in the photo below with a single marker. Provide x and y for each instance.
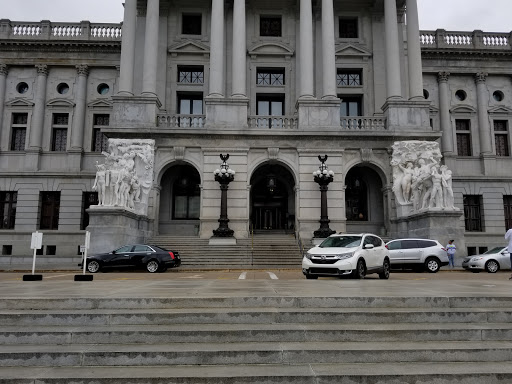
(151, 48)
(36, 129)
(414, 51)
(4, 71)
(393, 82)
(306, 49)
(483, 117)
(328, 50)
(77, 130)
(239, 48)
(444, 113)
(128, 48)
(217, 49)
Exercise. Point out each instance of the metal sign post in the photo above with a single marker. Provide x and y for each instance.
(83, 249)
(35, 244)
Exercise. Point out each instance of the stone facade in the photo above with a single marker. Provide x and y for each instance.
(265, 83)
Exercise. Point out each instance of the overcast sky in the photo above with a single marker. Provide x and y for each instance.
(453, 15)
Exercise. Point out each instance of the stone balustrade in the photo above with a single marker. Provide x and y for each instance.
(181, 121)
(273, 122)
(46, 30)
(363, 123)
(469, 40)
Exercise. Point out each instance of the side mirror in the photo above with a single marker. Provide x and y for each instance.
(368, 246)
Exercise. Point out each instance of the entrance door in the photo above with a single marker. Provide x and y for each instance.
(269, 216)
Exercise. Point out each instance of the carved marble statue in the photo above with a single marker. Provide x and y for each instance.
(100, 183)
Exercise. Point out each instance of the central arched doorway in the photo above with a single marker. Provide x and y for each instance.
(272, 203)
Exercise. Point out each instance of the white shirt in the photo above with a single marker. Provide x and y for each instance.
(508, 236)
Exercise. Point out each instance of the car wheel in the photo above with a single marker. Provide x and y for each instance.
(311, 277)
(492, 266)
(385, 270)
(360, 270)
(93, 266)
(152, 266)
(432, 265)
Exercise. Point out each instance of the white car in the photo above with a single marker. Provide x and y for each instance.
(491, 261)
(347, 254)
(417, 254)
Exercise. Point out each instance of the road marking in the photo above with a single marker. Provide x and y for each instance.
(273, 276)
(192, 277)
(52, 277)
(242, 276)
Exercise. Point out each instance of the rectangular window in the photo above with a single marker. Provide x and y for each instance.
(270, 76)
(88, 199)
(351, 106)
(100, 141)
(270, 26)
(8, 201)
(59, 131)
(270, 105)
(191, 74)
(473, 213)
(462, 128)
(501, 137)
(190, 103)
(191, 24)
(19, 131)
(507, 207)
(50, 207)
(349, 78)
(348, 28)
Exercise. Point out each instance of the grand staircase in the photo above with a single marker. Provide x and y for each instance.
(263, 250)
(260, 340)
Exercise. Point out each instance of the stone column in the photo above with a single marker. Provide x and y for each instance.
(239, 49)
(77, 129)
(151, 48)
(306, 50)
(414, 51)
(328, 51)
(447, 146)
(128, 48)
(393, 82)
(4, 71)
(217, 49)
(36, 129)
(483, 117)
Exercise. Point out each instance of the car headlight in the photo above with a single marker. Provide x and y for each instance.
(345, 256)
(476, 258)
(308, 255)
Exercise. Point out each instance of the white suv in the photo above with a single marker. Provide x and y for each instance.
(347, 254)
(417, 253)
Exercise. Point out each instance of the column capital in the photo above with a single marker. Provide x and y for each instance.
(442, 77)
(4, 69)
(82, 70)
(42, 69)
(480, 77)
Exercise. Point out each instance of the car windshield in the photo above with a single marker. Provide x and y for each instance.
(341, 242)
(494, 250)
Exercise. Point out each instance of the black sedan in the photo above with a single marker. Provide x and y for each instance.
(152, 258)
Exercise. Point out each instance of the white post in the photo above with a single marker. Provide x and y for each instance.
(217, 49)
(128, 48)
(414, 51)
(328, 51)
(239, 48)
(306, 49)
(393, 83)
(151, 48)
(86, 246)
(35, 244)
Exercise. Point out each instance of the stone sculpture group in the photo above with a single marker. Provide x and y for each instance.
(419, 180)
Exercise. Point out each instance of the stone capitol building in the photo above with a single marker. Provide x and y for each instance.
(119, 129)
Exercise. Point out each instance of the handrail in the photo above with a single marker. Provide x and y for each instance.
(441, 38)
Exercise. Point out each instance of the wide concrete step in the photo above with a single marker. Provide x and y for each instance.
(364, 373)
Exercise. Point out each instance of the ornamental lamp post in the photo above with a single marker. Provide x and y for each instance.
(323, 177)
(224, 176)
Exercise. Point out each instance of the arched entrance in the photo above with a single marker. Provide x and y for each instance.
(180, 201)
(364, 203)
(272, 203)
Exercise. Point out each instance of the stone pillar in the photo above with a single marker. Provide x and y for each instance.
(217, 49)
(414, 51)
(306, 50)
(483, 117)
(36, 129)
(447, 145)
(77, 129)
(4, 71)
(328, 51)
(239, 49)
(151, 48)
(393, 82)
(128, 48)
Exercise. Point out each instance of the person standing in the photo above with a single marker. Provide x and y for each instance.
(508, 236)
(450, 250)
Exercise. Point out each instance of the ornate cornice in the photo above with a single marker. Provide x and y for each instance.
(442, 77)
(61, 46)
(4, 69)
(42, 69)
(82, 70)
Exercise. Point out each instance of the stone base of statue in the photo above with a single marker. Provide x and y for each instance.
(113, 227)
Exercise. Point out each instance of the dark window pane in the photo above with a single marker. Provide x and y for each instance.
(346, 78)
(100, 141)
(191, 24)
(191, 75)
(270, 76)
(20, 118)
(186, 199)
(103, 120)
(88, 199)
(60, 137)
(50, 207)
(18, 139)
(462, 125)
(463, 144)
(507, 207)
(501, 145)
(348, 28)
(473, 213)
(270, 26)
(8, 201)
(60, 119)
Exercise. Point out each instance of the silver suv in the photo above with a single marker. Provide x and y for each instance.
(417, 254)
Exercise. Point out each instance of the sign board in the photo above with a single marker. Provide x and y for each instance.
(82, 248)
(87, 239)
(37, 240)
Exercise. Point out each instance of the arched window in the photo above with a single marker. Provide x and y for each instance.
(186, 196)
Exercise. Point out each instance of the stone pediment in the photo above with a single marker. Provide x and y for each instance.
(189, 47)
(352, 50)
(500, 110)
(19, 102)
(463, 109)
(433, 110)
(270, 49)
(60, 103)
(100, 103)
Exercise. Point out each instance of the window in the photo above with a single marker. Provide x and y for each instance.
(473, 213)
(51, 250)
(22, 88)
(349, 78)
(270, 105)
(103, 89)
(100, 141)
(186, 199)
(8, 202)
(19, 131)
(50, 207)
(191, 75)
(462, 128)
(501, 137)
(270, 76)
(190, 103)
(348, 28)
(88, 199)
(191, 24)
(461, 95)
(351, 106)
(62, 88)
(507, 207)
(270, 26)
(59, 131)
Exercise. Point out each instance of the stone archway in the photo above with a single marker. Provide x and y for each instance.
(272, 200)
